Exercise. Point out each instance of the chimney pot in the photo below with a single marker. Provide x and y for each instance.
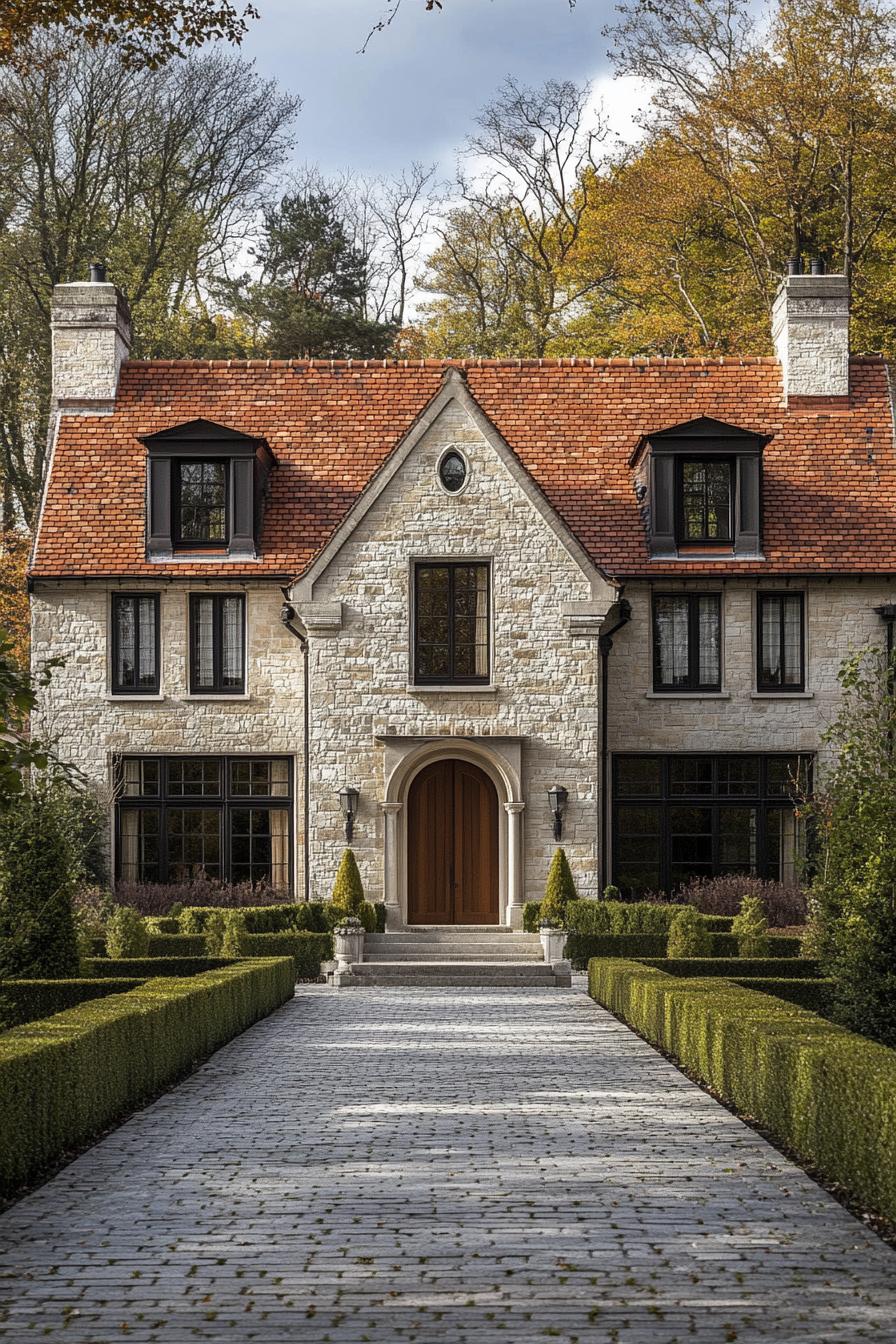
(97, 273)
(817, 266)
(810, 330)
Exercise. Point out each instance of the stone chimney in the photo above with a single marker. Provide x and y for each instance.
(91, 330)
(810, 329)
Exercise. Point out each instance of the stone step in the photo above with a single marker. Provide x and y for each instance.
(456, 933)
(458, 974)
(451, 952)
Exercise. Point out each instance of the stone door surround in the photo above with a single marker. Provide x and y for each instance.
(500, 758)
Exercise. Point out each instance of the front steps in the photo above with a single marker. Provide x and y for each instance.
(455, 955)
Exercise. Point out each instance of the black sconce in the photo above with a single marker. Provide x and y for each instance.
(348, 801)
(557, 797)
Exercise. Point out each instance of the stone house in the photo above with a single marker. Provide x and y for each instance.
(405, 601)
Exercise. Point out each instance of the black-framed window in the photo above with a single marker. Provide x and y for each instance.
(687, 642)
(705, 500)
(200, 503)
(451, 623)
(226, 817)
(135, 644)
(217, 643)
(780, 642)
(676, 817)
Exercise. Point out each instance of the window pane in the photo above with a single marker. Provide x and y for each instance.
(194, 842)
(125, 642)
(638, 844)
(737, 839)
(259, 845)
(203, 495)
(738, 776)
(671, 640)
(139, 840)
(451, 622)
(690, 842)
(194, 777)
(690, 775)
(793, 650)
(146, 658)
(232, 629)
(785, 837)
(203, 642)
(785, 778)
(639, 776)
(140, 778)
(708, 620)
(259, 779)
(770, 641)
(706, 500)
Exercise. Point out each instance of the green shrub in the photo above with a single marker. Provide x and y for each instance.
(234, 933)
(820, 1090)
(611, 893)
(688, 935)
(214, 933)
(813, 995)
(367, 916)
(798, 968)
(620, 917)
(259, 918)
(126, 934)
(380, 910)
(176, 945)
(64, 1080)
(559, 891)
(581, 947)
(750, 928)
(162, 924)
(348, 889)
(532, 916)
(42, 864)
(308, 950)
(146, 967)
(30, 1000)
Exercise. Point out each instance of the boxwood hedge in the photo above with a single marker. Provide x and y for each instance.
(308, 950)
(28, 1000)
(176, 945)
(812, 994)
(581, 947)
(786, 968)
(67, 1077)
(144, 967)
(822, 1091)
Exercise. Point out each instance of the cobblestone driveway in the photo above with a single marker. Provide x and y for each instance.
(449, 1165)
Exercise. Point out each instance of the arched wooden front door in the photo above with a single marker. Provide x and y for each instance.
(452, 846)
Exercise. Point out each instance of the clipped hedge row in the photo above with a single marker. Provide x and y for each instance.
(581, 947)
(176, 945)
(814, 995)
(29, 1000)
(299, 917)
(162, 924)
(783, 945)
(619, 917)
(64, 1079)
(145, 967)
(822, 1091)
(778, 968)
(307, 950)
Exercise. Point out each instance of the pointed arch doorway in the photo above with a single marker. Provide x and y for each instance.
(453, 870)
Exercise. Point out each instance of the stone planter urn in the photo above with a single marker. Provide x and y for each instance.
(348, 938)
(553, 941)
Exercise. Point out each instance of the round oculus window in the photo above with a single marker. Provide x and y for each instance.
(452, 472)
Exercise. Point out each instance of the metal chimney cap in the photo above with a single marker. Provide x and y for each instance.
(97, 273)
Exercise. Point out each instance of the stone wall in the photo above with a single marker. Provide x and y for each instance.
(545, 680)
(73, 621)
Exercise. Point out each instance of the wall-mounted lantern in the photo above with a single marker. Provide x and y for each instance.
(348, 801)
(557, 797)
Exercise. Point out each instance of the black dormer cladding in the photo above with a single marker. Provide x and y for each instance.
(250, 463)
(703, 438)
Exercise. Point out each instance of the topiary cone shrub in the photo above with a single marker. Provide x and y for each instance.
(689, 935)
(750, 928)
(560, 890)
(348, 889)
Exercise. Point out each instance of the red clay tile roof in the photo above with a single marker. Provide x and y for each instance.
(829, 470)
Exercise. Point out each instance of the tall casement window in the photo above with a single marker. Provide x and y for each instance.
(451, 623)
(780, 642)
(687, 642)
(227, 817)
(200, 504)
(217, 643)
(705, 497)
(678, 817)
(135, 643)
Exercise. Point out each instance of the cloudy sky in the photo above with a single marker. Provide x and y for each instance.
(414, 92)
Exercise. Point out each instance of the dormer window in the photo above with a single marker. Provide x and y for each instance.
(206, 490)
(700, 487)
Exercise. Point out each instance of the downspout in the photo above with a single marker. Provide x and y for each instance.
(288, 616)
(620, 614)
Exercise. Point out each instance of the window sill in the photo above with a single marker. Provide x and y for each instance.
(121, 698)
(488, 688)
(217, 699)
(782, 695)
(687, 695)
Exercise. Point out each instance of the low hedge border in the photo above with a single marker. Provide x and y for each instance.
(29, 1000)
(778, 968)
(820, 1090)
(307, 950)
(581, 947)
(66, 1078)
(145, 967)
(176, 945)
(297, 917)
(814, 995)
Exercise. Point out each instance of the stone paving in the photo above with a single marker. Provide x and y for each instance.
(459, 1165)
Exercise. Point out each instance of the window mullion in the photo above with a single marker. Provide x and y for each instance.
(452, 670)
(693, 642)
(217, 642)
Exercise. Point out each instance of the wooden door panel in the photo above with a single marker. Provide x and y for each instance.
(475, 846)
(452, 834)
(430, 846)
